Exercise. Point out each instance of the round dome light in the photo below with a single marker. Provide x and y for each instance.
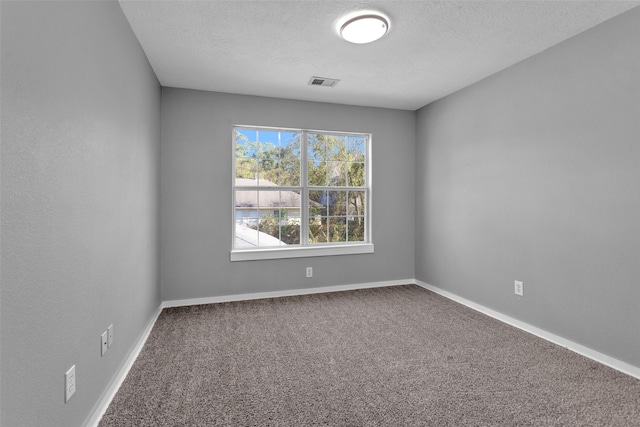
(364, 29)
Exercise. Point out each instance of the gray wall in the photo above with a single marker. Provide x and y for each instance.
(534, 174)
(195, 212)
(80, 154)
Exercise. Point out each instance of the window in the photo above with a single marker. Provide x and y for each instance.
(300, 193)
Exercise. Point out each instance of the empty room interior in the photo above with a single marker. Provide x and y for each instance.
(243, 213)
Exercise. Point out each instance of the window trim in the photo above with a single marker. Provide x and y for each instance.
(304, 249)
(328, 249)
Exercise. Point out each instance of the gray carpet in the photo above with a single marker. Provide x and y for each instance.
(396, 356)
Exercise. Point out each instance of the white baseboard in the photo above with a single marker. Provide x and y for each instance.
(116, 382)
(616, 364)
(103, 404)
(285, 293)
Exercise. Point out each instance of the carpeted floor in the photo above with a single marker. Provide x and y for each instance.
(396, 356)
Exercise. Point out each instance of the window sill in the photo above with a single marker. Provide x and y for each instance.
(280, 253)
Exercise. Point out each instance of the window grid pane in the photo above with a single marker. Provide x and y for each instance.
(334, 199)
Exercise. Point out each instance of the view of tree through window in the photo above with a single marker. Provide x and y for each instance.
(295, 187)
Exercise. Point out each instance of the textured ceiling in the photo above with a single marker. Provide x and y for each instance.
(273, 48)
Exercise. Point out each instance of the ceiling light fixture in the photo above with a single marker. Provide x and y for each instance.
(364, 28)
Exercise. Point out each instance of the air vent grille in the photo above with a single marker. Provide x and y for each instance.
(323, 81)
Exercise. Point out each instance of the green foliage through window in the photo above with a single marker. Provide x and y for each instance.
(274, 193)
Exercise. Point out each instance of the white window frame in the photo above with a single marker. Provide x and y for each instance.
(305, 249)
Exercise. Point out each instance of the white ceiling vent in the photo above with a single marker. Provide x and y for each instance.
(322, 81)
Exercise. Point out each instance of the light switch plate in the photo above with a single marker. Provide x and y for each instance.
(109, 335)
(104, 343)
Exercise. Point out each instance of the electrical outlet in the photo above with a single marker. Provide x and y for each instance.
(69, 383)
(518, 288)
(309, 271)
(109, 335)
(104, 343)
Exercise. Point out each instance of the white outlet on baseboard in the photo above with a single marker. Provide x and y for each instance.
(69, 383)
(518, 288)
(309, 271)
